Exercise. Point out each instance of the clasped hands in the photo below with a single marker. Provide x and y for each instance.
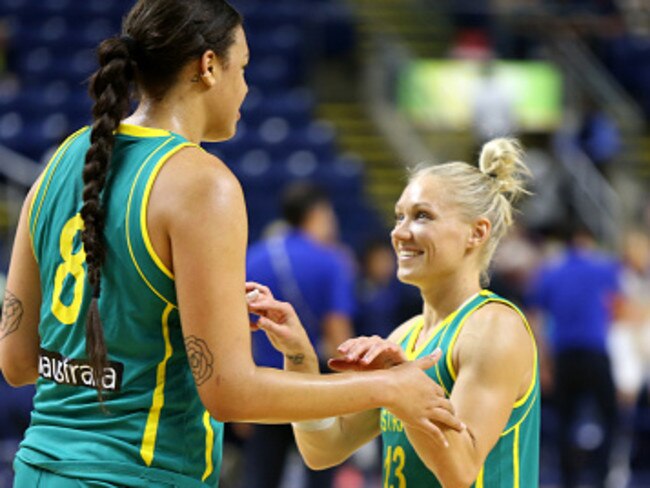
(421, 402)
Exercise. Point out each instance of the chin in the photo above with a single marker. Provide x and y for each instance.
(408, 278)
(221, 135)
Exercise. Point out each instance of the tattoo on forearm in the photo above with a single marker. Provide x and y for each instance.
(12, 314)
(296, 358)
(200, 359)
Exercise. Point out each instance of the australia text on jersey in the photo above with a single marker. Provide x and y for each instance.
(389, 423)
(77, 372)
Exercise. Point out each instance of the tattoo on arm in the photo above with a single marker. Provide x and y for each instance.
(296, 358)
(200, 359)
(12, 314)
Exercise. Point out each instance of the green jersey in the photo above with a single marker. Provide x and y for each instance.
(152, 429)
(512, 463)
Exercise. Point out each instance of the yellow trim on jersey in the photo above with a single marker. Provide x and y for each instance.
(153, 419)
(411, 354)
(128, 232)
(515, 458)
(521, 420)
(415, 323)
(140, 131)
(145, 202)
(450, 363)
(450, 366)
(531, 387)
(209, 446)
(409, 347)
(440, 382)
(481, 476)
(57, 156)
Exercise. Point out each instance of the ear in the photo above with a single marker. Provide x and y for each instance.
(480, 233)
(209, 68)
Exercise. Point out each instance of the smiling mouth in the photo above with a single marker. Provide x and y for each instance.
(405, 255)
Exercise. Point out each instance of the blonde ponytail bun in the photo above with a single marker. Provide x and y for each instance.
(503, 160)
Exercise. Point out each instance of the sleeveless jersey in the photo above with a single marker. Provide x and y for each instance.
(512, 463)
(152, 429)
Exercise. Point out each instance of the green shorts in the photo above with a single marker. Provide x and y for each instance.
(28, 476)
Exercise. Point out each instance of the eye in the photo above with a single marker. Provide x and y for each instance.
(399, 217)
(422, 215)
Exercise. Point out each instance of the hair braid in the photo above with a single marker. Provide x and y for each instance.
(109, 87)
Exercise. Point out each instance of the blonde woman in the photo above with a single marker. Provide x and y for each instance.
(449, 221)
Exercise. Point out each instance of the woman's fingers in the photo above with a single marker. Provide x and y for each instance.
(341, 365)
(361, 346)
(430, 428)
(443, 416)
(271, 327)
(263, 290)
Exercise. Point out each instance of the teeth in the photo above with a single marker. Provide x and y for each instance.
(408, 254)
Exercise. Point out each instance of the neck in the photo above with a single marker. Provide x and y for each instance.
(173, 113)
(446, 296)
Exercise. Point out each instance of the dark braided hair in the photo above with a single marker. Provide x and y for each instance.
(159, 38)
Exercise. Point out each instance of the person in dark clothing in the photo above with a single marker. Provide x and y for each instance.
(575, 293)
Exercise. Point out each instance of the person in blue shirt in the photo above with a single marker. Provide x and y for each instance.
(576, 293)
(301, 266)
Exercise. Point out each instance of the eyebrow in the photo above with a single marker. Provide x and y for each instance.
(417, 206)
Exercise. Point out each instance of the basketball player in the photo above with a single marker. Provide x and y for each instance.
(449, 220)
(125, 299)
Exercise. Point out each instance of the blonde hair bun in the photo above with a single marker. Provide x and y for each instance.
(503, 160)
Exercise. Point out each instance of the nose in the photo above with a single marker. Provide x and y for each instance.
(401, 231)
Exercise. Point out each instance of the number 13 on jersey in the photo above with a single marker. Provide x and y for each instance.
(72, 265)
(395, 458)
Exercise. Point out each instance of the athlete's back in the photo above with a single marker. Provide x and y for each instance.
(151, 423)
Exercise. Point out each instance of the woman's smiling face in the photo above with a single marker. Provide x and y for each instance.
(430, 238)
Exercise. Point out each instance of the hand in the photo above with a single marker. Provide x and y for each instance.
(367, 353)
(421, 402)
(278, 320)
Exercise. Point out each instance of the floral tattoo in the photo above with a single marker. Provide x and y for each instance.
(200, 359)
(12, 314)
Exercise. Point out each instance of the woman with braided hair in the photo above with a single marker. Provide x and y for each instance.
(449, 221)
(125, 298)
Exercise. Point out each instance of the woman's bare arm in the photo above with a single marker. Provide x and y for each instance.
(203, 213)
(495, 364)
(19, 340)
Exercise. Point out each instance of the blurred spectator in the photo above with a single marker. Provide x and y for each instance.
(630, 339)
(300, 266)
(629, 347)
(471, 44)
(599, 137)
(576, 293)
(493, 106)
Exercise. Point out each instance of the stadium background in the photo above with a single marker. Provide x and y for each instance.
(347, 93)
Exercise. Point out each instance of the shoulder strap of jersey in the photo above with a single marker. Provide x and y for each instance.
(43, 185)
(150, 267)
